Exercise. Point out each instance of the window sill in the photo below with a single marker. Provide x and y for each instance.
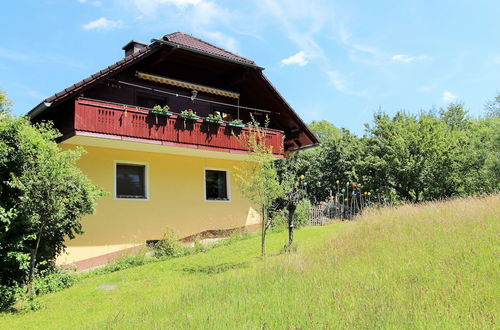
(218, 200)
(130, 198)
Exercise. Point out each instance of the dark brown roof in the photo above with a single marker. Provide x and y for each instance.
(187, 40)
(179, 38)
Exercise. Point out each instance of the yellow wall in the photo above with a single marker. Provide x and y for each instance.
(176, 187)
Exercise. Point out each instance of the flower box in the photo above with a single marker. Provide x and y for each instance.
(189, 117)
(239, 125)
(161, 113)
(214, 121)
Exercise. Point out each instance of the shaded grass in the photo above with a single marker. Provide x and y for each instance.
(433, 265)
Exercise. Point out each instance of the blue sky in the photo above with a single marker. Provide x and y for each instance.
(335, 60)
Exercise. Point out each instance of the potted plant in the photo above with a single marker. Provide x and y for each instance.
(214, 119)
(236, 123)
(162, 111)
(189, 114)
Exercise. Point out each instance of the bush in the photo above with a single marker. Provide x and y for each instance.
(280, 220)
(302, 213)
(53, 280)
(168, 246)
(7, 296)
(301, 217)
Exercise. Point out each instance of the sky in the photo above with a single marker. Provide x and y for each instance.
(336, 60)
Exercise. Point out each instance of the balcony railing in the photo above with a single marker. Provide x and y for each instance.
(135, 122)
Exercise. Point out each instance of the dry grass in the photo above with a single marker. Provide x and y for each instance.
(432, 265)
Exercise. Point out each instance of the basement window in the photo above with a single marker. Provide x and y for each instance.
(216, 188)
(131, 181)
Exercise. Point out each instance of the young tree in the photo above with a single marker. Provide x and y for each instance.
(43, 195)
(258, 178)
(290, 170)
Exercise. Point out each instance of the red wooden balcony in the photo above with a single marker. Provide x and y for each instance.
(120, 120)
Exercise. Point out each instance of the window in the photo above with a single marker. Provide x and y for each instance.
(216, 185)
(131, 181)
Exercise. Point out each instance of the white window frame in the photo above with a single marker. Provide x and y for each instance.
(228, 185)
(146, 180)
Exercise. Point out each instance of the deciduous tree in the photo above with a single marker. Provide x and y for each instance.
(43, 196)
(258, 178)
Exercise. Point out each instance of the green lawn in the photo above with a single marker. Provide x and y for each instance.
(428, 266)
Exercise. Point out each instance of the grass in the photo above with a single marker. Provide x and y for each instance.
(427, 266)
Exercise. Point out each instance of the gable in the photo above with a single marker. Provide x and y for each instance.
(179, 56)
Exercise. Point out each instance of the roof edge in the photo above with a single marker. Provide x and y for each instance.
(314, 139)
(197, 51)
(89, 81)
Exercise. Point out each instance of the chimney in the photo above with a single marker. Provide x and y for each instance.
(133, 47)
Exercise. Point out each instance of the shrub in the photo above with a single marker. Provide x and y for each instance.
(53, 280)
(7, 296)
(301, 217)
(302, 213)
(198, 246)
(168, 246)
(280, 220)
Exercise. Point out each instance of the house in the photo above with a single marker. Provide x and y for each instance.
(164, 170)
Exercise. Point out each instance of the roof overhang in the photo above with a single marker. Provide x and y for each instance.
(194, 50)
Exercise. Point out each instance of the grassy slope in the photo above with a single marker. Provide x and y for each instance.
(424, 266)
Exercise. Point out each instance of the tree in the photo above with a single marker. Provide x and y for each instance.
(493, 107)
(5, 103)
(414, 155)
(429, 156)
(288, 171)
(337, 158)
(258, 178)
(324, 129)
(43, 195)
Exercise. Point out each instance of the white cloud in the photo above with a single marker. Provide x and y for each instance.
(103, 24)
(409, 59)
(361, 53)
(300, 21)
(448, 97)
(203, 17)
(299, 59)
(223, 40)
(337, 80)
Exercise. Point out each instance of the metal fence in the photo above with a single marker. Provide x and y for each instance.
(335, 209)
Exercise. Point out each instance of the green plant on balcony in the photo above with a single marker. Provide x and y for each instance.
(189, 114)
(162, 111)
(214, 118)
(236, 123)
